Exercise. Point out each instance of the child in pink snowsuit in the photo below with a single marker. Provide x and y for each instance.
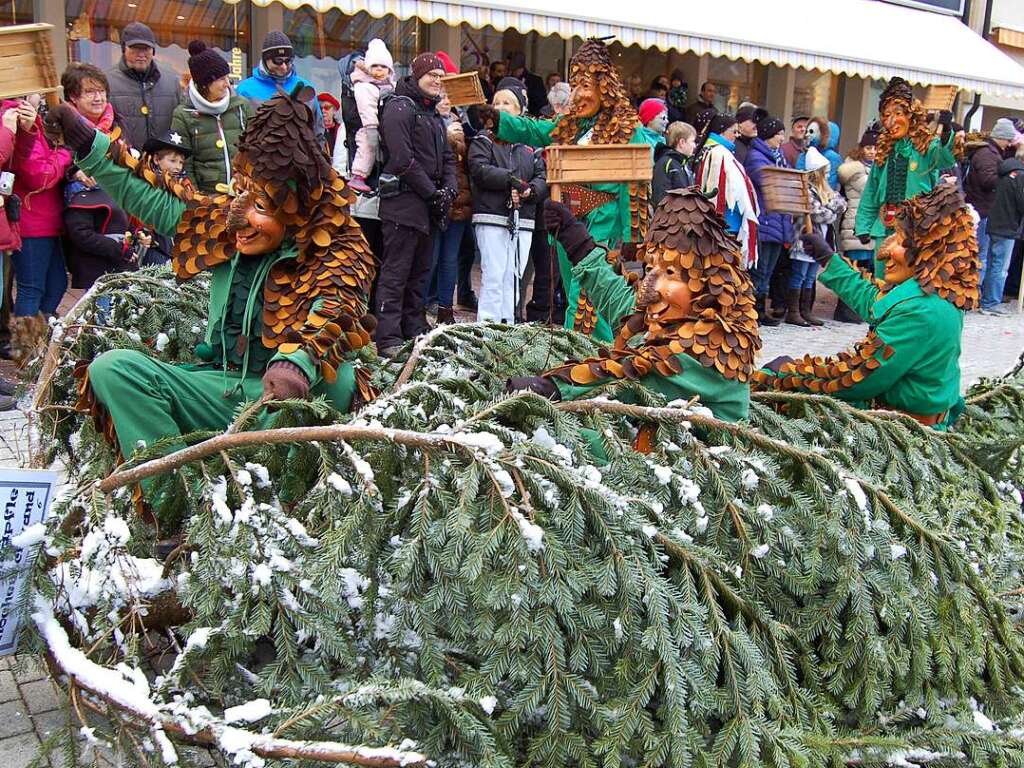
(373, 76)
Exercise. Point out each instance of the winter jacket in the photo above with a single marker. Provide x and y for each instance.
(853, 177)
(145, 101)
(39, 181)
(792, 150)
(536, 93)
(211, 138)
(833, 157)
(982, 177)
(10, 236)
(771, 227)
(90, 216)
(261, 86)
(691, 113)
(743, 148)
(367, 93)
(671, 171)
(1006, 217)
(415, 143)
(491, 164)
(462, 206)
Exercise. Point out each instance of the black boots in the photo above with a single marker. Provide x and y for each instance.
(445, 315)
(844, 314)
(793, 314)
(806, 303)
(763, 318)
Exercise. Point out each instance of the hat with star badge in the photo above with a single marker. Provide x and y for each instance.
(170, 140)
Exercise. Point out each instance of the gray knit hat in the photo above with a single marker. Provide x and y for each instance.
(276, 43)
(1003, 129)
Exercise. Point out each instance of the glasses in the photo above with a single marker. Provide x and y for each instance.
(280, 61)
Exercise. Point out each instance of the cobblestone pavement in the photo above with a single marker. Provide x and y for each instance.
(31, 708)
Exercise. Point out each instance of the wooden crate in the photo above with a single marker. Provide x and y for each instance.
(785, 190)
(26, 61)
(940, 97)
(464, 90)
(598, 163)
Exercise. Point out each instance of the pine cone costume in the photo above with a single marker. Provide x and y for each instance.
(721, 331)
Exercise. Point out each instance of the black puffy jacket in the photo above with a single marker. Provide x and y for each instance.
(1006, 217)
(416, 150)
(89, 217)
(491, 163)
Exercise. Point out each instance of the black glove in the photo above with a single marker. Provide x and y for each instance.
(536, 384)
(570, 232)
(514, 182)
(441, 205)
(864, 239)
(778, 362)
(946, 124)
(78, 133)
(489, 117)
(817, 248)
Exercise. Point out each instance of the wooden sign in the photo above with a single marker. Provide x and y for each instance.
(940, 97)
(785, 190)
(464, 90)
(597, 163)
(26, 61)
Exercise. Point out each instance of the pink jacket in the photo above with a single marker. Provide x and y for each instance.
(10, 239)
(39, 182)
(367, 93)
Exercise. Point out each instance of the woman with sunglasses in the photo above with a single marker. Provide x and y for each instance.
(277, 70)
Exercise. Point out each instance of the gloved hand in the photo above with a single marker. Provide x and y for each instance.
(441, 206)
(489, 117)
(536, 384)
(945, 124)
(864, 238)
(778, 362)
(285, 381)
(570, 232)
(817, 248)
(78, 133)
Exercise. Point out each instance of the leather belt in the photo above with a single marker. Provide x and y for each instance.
(927, 420)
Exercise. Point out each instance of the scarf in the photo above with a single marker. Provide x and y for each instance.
(106, 120)
(721, 177)
(207, 107)
(276, 78)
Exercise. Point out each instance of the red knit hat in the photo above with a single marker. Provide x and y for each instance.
(449, 65)
(650, 109)
(329, 99)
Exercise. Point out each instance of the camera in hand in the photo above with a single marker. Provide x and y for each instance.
(6, 183)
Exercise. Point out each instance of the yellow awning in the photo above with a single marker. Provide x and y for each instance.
(865, 38)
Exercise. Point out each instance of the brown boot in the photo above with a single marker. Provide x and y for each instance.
(28, 334)
(806, 303)
(763, 318)
(793, 316)
(445, 315)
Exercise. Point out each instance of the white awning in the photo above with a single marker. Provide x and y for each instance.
(865, 38)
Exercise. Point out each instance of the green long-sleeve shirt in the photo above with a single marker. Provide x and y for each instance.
(922, 375)
(609, 224)
(231, 305)
(615, 299)
(922, 176)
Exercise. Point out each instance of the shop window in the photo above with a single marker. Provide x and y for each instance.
(321, 39)
(16, 12)
(94, 30)
(813, 93)
(737, 82)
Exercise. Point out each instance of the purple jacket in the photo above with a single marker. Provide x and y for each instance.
(39, 182)
(416, 146)
(772, 227)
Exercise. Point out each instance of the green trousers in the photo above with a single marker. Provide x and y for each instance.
(151, 401)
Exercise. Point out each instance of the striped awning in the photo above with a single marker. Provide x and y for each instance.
(865, 38)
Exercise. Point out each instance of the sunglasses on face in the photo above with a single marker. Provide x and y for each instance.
(280, 61)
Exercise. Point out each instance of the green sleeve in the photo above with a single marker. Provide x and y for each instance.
(525, 130)
(867, 208)
(940, 155)
(850, 285)
(612, 296)
(155, 207)
(902, 332)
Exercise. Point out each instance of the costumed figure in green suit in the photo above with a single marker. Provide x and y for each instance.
(910, 359)
(615, 213)
(688, 327)
(289, 275)
(908, 161)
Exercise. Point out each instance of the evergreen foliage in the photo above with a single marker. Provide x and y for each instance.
(820, 586)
